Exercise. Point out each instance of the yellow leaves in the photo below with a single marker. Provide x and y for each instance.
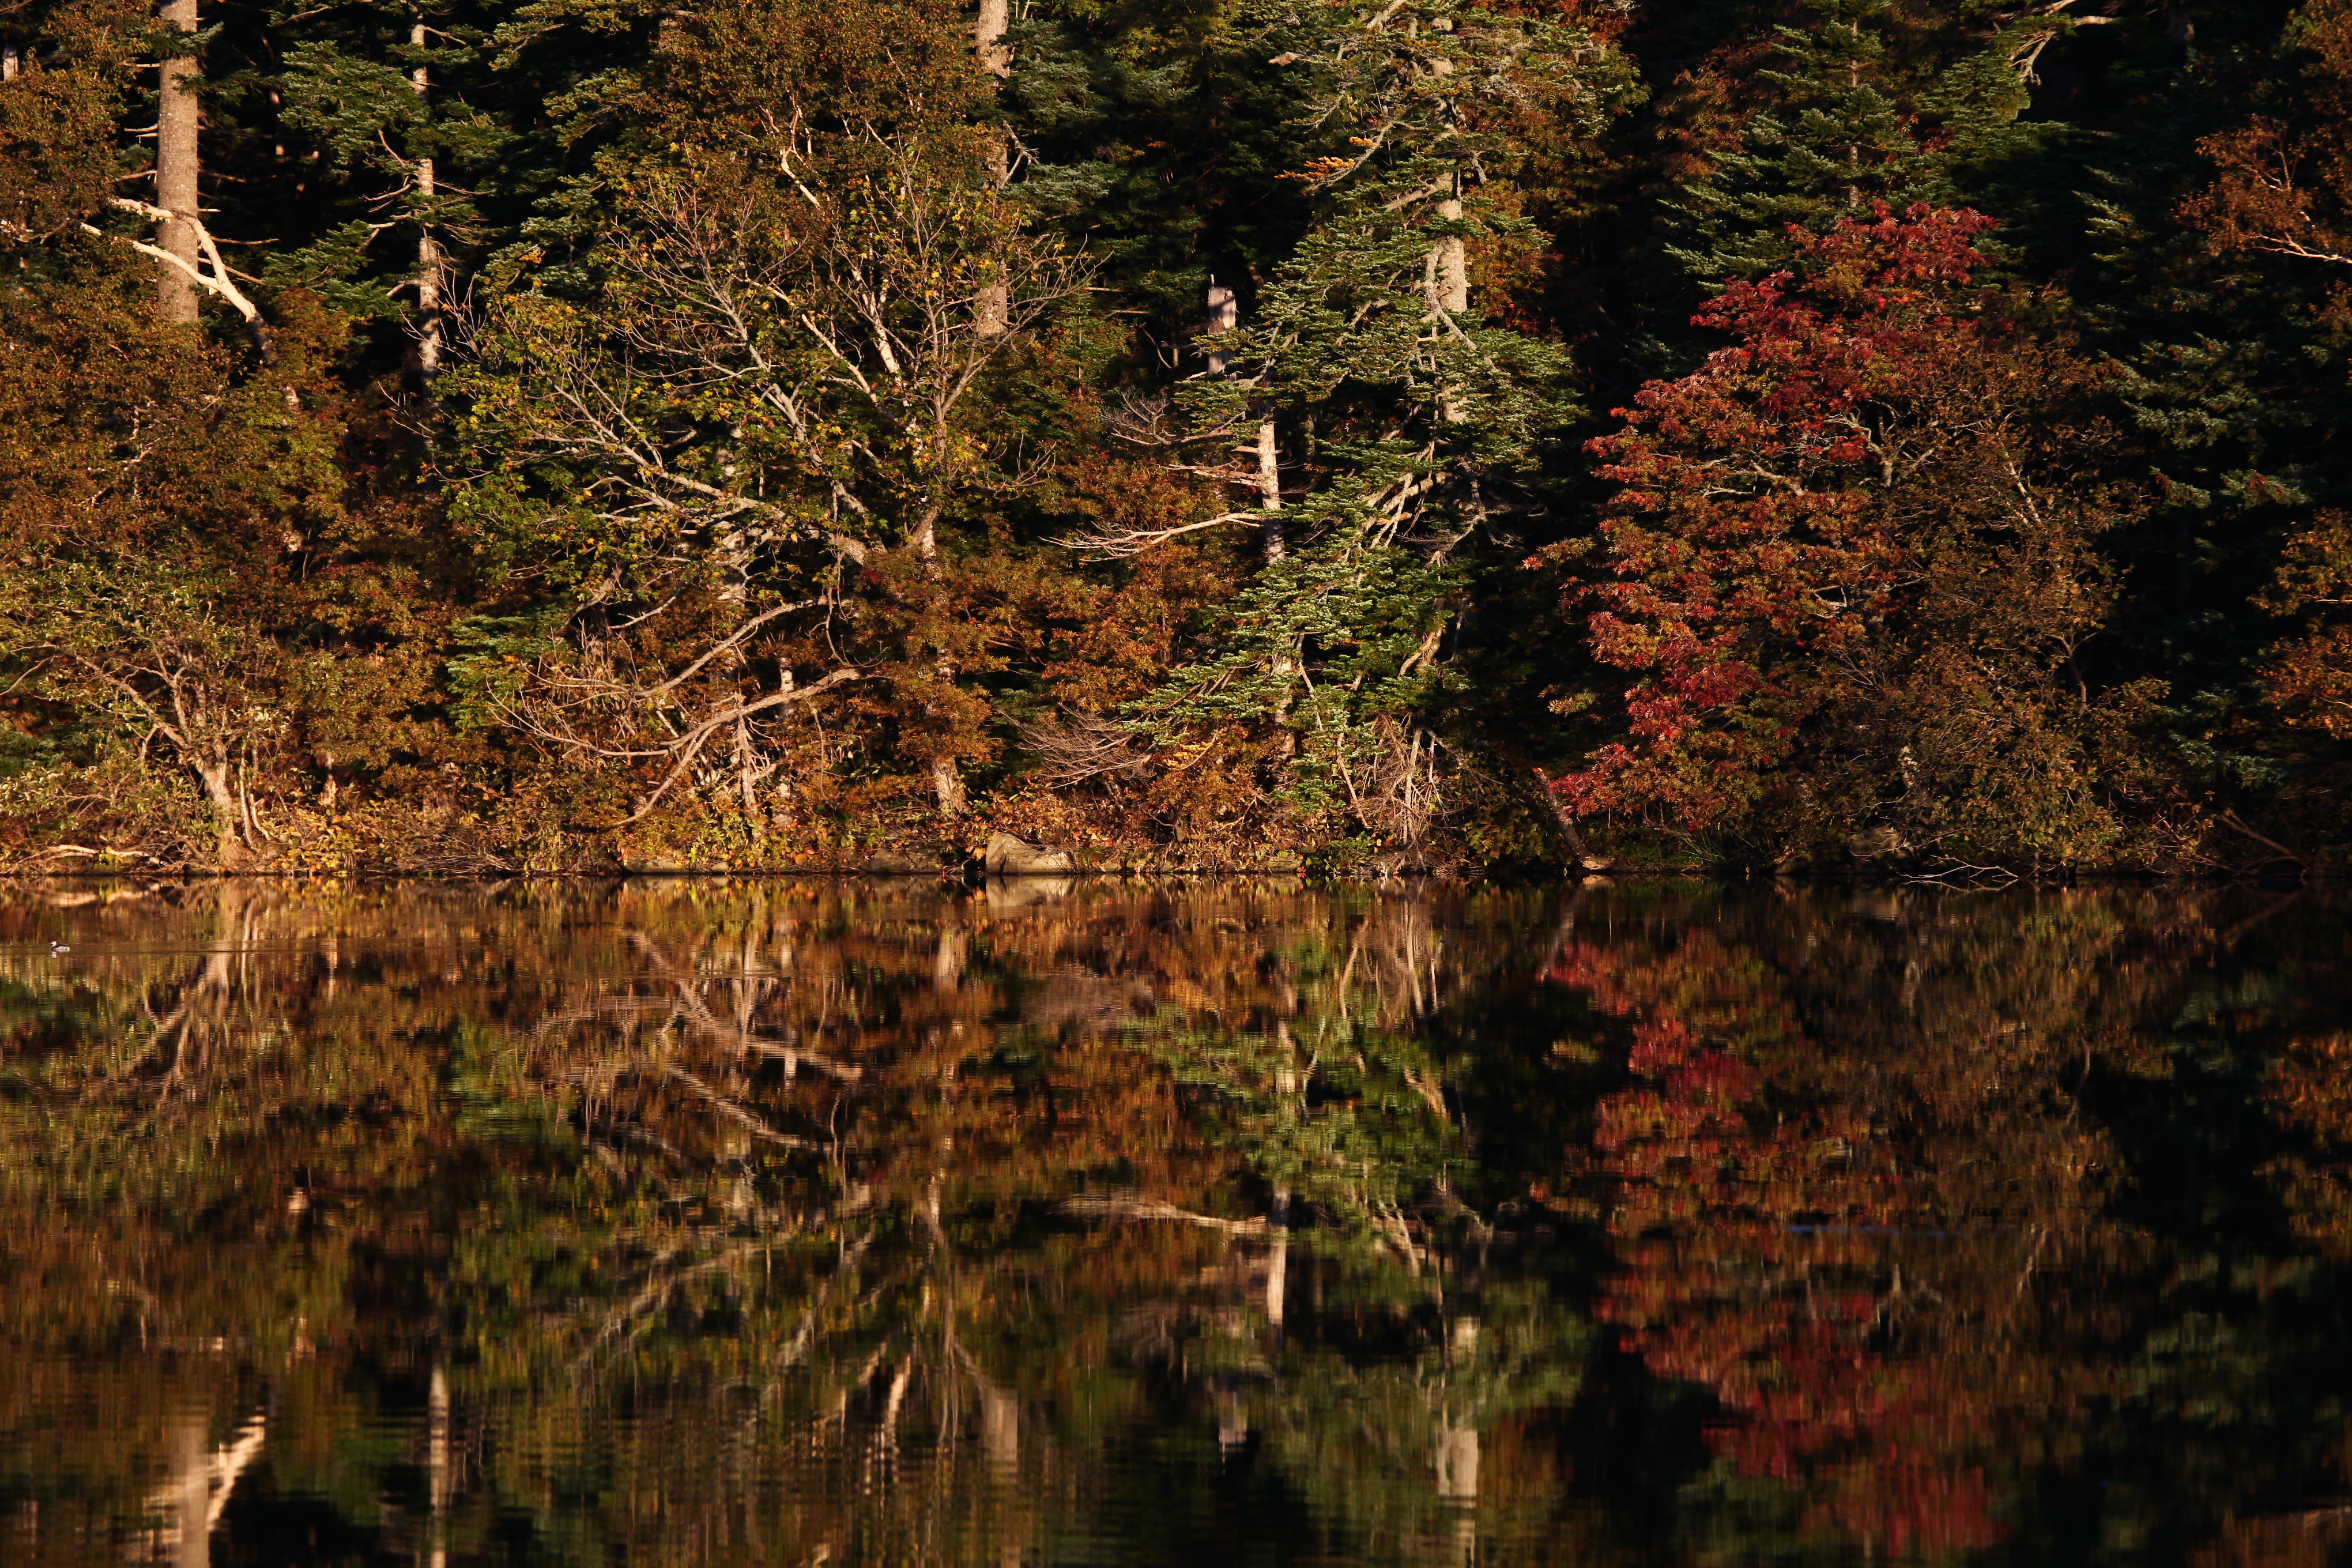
(1322, 169)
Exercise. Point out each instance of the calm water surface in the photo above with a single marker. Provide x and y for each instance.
(783, 1223)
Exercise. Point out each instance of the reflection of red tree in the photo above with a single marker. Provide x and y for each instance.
(1764, 1233)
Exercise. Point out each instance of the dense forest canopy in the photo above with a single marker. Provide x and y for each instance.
(1791, 434)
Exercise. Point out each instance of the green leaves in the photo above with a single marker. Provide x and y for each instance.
(1853, 127)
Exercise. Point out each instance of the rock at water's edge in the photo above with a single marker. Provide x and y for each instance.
(1008, 856)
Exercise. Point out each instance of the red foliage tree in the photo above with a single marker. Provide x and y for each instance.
(1854, 548)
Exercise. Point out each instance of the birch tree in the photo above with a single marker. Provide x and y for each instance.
(776, 396)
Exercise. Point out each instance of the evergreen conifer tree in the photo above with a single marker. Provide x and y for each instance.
(1385, 423)
(1856, 124)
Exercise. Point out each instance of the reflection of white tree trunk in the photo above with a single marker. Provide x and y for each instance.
(1278, 1217)
(999, 1426)
(1457, 1464)
(1457, 1483)
(437, 1467)
(1457, 1451)
(1277, 1265)
(946, 963)
(196, 1491)
(189, 1492)
(1000, 1445)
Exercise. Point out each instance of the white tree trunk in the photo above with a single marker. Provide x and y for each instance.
(1453, 263)
(228, 810)
(1269, 498)
(1225, 314)
(988, 38)
(993, 305)
(946, 784)
(429, 325)
(1270, 489)
(176, 167)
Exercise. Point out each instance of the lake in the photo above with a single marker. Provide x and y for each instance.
(673, 1221)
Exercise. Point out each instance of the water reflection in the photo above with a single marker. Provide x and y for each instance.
(681, 1222)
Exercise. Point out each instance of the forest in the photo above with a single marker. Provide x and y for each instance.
(1797, 436)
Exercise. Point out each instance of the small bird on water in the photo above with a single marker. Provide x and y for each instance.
(58, 947)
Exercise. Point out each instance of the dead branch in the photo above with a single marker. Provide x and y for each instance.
(1117, 543)
(1134, 1206)
(689, 745)
(1082, 746)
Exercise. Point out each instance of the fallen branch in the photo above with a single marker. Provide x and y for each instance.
(1567, 828)
(102, 853)
(689, 745)
(2230, 818)
(1134, 1206)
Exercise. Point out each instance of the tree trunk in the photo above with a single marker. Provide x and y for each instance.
(175, 168)
(429, 326)
(1270, 496)
(947, 785)
(1452, 260)
(228, 809)
(992, 307)
(1269, 490)
(1225, 314)
(988, 38)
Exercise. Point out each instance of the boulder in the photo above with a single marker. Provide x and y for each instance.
(1009, 857)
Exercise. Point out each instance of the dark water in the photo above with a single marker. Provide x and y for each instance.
(776, 1223)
